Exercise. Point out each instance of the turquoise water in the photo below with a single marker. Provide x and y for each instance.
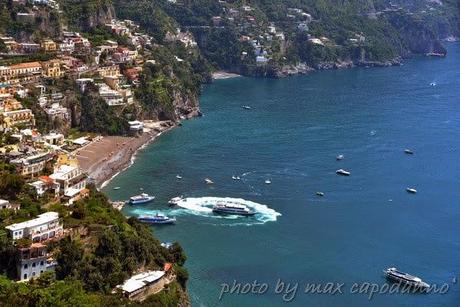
(297, 126)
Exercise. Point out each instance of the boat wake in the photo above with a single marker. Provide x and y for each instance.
(202, 206)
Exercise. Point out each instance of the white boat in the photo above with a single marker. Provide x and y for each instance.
(238, 178)
(157, 219)
(408, 151)
(340, 157)
(234, 177)
(268, 181)
(342, 172)
(178, 176)
(320, 193)
(141, 199)
(116, 188)
(246, 107)
(175, 200)
(208, 181)
(433, 83)
(411, 190)
(406, 279)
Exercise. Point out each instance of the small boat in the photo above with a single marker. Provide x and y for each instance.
(208, 181)
(175, 200)
(320, 193)
(178, 176)
(246, 107)
(342, 172)
(411, 190)
(166, 245)
(234, 177)
(156, 219)
(408, 151)
(232, 208)
(340, 157)
(141, 199)
(268, 181)
(238, 178)
(433, 84)
(406, 279)
(116, 188)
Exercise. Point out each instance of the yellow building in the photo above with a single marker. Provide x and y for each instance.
(10, 104)
(23, 72)
(49, 46)
(52, 69)
(10, 119)
(109, 71)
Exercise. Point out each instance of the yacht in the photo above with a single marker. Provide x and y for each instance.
(208, 181)
(404, 278)
(232, 208)
(156, 219)
(342, 172)
(141, 199)
(340, 157)
(411, 190)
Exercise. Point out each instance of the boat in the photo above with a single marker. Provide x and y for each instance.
(406, 279)
(342, 172)
(433, 83)
(167, 245)
(408, 151)
(340, 157)
(208, 181)
(178, 176)
(175, 200)
(268, 181)
(320, 193)
(141, 199)
(236, 177)
(116, 188)
(411, 190)
(246, 107)
(156, 219)
(232, 208)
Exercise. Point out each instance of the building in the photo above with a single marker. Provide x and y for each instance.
(4, 204)
(111, 97)
(31, 166)
(33, 261)
(46, 226)
(49, 45)
(140, 286)
(23, 72)
(56, 111)
(109, 71)
(70, 177)
(45, 184)
(17, 117)
(52, 69)
(53, 138)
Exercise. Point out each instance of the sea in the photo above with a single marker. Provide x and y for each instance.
(302, 249)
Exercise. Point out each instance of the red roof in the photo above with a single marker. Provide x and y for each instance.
(167, 266)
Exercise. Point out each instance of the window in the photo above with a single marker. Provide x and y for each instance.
(33, 274)
(33, 264)
(42, 263)
(25, 276)
(26, 266)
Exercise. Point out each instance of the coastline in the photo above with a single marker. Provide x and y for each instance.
(103, 160)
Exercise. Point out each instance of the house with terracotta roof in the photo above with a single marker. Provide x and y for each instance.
(22, 72)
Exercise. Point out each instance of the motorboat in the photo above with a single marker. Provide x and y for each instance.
(408, 151)
(320, 193)
(208, 181)
(178, 176)
(246, 107)
(156, 219)
(141, 199)
(342, 172)
(268, 181)
(411, 190)
(340, 157)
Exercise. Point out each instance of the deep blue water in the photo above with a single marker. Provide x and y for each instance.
(364, 223)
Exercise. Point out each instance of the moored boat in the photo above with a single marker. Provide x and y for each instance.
(141, 199)
(232, 208)
(406, 279)
(156, 219)
(342, 172)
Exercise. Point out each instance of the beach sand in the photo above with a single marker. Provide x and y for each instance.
(105, 158)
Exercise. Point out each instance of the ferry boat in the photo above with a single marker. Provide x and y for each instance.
(406, 279)
(141, 199)
(156, 219)
(342, 172)
(232, 208)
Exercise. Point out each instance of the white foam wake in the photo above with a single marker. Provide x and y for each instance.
(202, 206)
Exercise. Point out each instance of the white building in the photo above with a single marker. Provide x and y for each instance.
(33, 261)
(4, 204)
(141, 283)
(42, 228)
(71, 180)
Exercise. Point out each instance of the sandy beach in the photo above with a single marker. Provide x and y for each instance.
(218, 75)
(105, 158)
